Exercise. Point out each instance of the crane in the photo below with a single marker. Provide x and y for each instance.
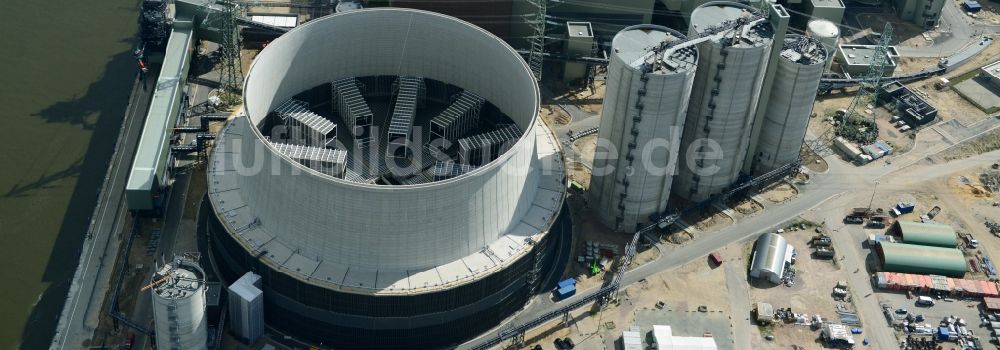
(157, 282)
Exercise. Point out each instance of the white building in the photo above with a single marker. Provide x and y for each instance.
(246, 308)
(666, 340)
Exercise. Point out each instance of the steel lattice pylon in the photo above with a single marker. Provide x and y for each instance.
(230, 65)
(537, 39)
(861, 127)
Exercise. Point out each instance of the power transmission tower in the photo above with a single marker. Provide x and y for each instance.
(230, 64)
(860, 126)
(537, 39)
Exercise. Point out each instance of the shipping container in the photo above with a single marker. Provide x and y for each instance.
(716, 258)
(566, 282)
(566, 292)
(904, 207)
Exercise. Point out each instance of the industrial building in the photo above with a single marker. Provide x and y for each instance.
(771, 254)
(246, 308)
(918, 259)
(854, 60)
(580, 43)
(150, 174)
(646, 100)
(992, 73)
(797, 74)
(828, 10)
(390, 255)
(179, 304)
(927, 284)
(911, 107)
(664, 339)
(925, 13)
(724, 98)
(925, 233)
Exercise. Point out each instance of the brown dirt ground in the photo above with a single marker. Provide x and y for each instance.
(814, 281)
(588, 228)
(709, 223)
(903, 33)
(554, 116)
(982, 144)
(779, 193)
(590, 103)
(673, 287)
(579, 173)
(813, 161)
(585, 147)
(746, 206)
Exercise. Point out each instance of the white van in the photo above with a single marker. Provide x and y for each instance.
(926, 301)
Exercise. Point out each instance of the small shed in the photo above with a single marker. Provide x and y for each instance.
(972, 6)
(632, 339)
(764, 313)
(926, 233)
(991, 304)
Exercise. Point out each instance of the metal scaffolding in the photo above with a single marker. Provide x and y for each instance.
(482, 148)
(459, 118)
(325, 160)
(305, 127)
(409, 91)
(353, 109)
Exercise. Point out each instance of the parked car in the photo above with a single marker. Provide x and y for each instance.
(902, 311)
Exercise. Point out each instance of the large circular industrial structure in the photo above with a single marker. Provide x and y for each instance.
(359, 241)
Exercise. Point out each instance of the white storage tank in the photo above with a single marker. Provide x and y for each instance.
(798, 72)
(648, 86)
(827, 33)
(179, 306)
(731, 66)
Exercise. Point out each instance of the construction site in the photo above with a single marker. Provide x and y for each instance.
(404, 174)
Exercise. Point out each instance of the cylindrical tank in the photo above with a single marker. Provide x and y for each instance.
(723, 99)
(179, 306)
(347, 5)
(648, 86)
(798, 72)
(827, 33)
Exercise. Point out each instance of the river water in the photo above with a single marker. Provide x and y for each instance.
(66, 69)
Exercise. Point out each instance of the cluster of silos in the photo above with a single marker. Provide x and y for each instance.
(706, 91)
(644, 110)
(179, 305)
(797, 74)
(731, 68)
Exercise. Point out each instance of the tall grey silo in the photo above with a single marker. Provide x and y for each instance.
(796, 80)
(731, 67)
(648, 86)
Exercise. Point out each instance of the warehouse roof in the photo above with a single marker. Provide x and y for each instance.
(912, 258)
(769, 255)
(927, 233)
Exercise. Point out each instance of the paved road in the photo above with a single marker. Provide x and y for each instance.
(91, 281)
(739, 303)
